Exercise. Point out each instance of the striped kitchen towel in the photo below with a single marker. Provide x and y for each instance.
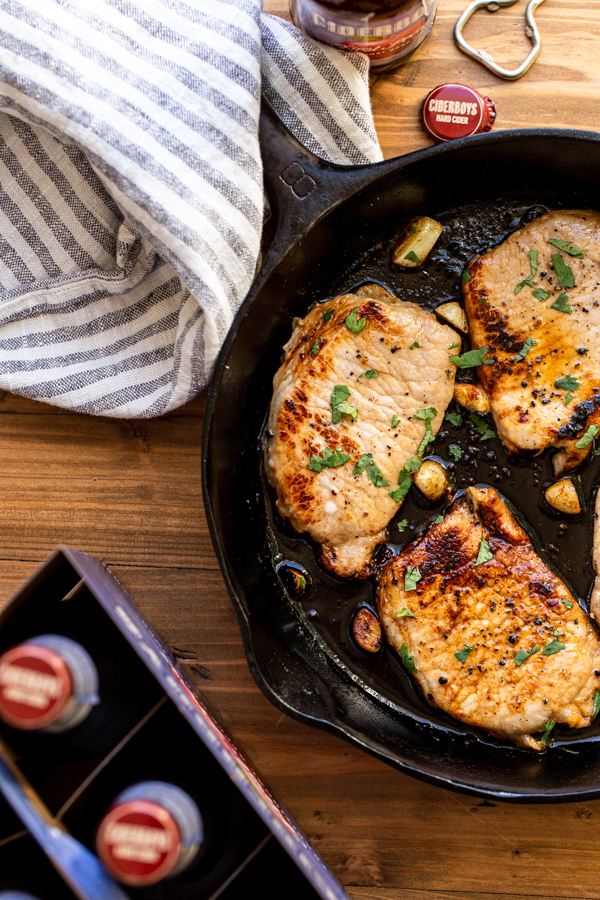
(131, 199)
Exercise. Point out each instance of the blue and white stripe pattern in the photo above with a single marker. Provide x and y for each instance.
(131, 200)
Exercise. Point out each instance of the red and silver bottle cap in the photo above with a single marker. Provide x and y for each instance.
(455, 110)
(47, 684)
(152, 832)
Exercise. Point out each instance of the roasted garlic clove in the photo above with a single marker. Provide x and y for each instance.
(432, 480)
(454, 314)
(565, 496)
(367, 630)
(472, 398)
(417, 242)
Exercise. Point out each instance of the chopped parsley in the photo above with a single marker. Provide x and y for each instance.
(412, 256)
(521, 284)
(365, 460)
(461, 655)
(529, 343)
(568, 603)
(455, 452)
(454, 418)
(472, 358)
(415, 346)
(480, 424)
(533, 261)
(426, 414)
(522, 655)
(455, 344)
(564, 273)
(557, 633)
(567, 247)
(413, 465)
(407, 659)
(553, 647)
(541, 294)
(331, 459)
(568, 383)
(370, 373)
(404, 482)
(395, 420)
(353, 323)
(327, 315)
(596, 707)
(301, 582)
(316, 346)
(574, 752)
(375, 476)
(465, 276)
(485, 554)
(406, 614)
(339, 404)
(568, 399)
(414, 229)
(401, 525)
(546, 735)
(587, 438)
(438, 520)
(412, 576)
(562, 304)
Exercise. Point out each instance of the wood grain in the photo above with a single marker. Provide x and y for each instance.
(130, 492)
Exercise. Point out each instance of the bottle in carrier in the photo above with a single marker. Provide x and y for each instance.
(152, 831)
(48, 683)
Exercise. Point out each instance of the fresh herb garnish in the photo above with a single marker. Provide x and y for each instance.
(472, 358)
(327, 315)
(406, 614)
(557, 633)
(426, 414)
(567, 383)
(596, 707)
(485, 554)
(587, 438)
(533, 261)
(412, 465)
(522, 655)
(407, 659)
(562, 304)
(370, 373)
(395, 420)
(529, 343)
(454, 418)
(301, 582)
(316, 346)
(401, 525)
(574, 752)
(546, 736)
(465, 276)
(415, 346)
(365, 460)
(455, 344)
(412, 256)
(375, 476)
(553, 647)
(339, 404)
(480, 424)
(541, 294)
(355, 324)
(568, 399)
(567, 247)
(521, 285)
(438, 520)
(461, 655)
(414, 229)
(412, 576)
(568, 604)
(455, 452)
(331, 459)
(564, 273)
(404, 482)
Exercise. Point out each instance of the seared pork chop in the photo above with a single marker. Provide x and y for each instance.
(508, 306)
(497, 639)
(343, 394)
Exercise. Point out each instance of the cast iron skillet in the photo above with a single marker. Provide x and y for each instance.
(333, 227)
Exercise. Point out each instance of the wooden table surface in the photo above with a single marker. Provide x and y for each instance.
(130, 492)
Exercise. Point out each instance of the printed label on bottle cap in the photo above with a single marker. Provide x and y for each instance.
(139, 842)
(35, 686)
(455, 110)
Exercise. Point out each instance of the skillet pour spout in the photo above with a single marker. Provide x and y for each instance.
(333, 229)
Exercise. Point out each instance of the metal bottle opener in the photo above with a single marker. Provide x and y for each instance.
(485, 58)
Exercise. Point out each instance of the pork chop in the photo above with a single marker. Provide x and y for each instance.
(508, 308)
(497, 639)
(342, 419)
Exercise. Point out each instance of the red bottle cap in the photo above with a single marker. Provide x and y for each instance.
(455, 110)
(35, 686)
(139, 842)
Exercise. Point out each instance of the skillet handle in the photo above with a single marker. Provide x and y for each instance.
(299, 185)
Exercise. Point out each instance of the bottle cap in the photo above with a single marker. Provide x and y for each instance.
(49, 683)
(139, 842)
(35, 686)
(454, 110)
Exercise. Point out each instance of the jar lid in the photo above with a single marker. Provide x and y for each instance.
(139, 842)
(454, 110)
(35, 686)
